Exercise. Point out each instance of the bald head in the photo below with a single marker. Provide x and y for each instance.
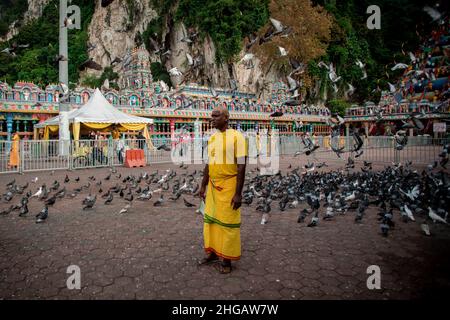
(219, 118)
(223, 110)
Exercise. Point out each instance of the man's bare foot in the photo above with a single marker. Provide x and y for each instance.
(208, 259)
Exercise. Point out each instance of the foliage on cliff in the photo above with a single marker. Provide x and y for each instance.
(36, 63)
(10, 11)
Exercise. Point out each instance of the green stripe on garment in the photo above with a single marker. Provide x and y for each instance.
(208, 219)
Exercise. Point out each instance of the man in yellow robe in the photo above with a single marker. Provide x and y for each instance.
(14, 157)
(223, 181)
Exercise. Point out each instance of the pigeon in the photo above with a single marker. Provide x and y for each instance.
(276, 114)
(159, 202)
(23, 211)
(283, 51)
(66, 179)
(90, 64)
(129, 197)
(125, 209)
(264, 218)
(384, 229)
(109, 199)
(435, 217)
(42, 216)
(433, 13)
(425, 228)
(314, 220)
(412, 194)
(188, 204)
(164, 147)
(175, 72)
(89, 202)
(329, 214)
(51, 201)
(38, 193)
(399, 66)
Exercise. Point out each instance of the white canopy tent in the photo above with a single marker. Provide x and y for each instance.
(98, 114)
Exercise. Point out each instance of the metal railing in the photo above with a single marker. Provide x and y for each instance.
(5, 151)
(40, 155)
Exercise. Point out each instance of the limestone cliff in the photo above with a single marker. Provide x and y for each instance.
(113, 30)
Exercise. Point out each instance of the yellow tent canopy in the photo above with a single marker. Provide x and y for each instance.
(98, 114)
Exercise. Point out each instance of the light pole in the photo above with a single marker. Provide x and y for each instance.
(65, 23)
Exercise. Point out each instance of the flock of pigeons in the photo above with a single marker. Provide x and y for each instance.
(130, 188)
(398, 190)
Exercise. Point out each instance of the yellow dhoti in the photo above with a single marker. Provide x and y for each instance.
(221, 228)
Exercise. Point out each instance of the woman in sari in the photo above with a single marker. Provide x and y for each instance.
(14, 157)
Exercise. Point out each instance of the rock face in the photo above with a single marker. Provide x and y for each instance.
(248, 80)
(113, 30)
(35, 9)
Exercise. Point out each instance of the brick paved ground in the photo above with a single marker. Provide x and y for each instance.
(151, 253)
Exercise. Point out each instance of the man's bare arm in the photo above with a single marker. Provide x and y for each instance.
(205, 181)
(237, 199)
(240, 178)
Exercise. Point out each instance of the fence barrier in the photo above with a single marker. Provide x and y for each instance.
(39, 155)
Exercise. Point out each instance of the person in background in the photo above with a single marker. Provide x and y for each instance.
(141, 140)
(120, 148)
(14, 157)
(115, 133)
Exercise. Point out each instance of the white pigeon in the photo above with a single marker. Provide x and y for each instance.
(364, 74)
(433, 13)
(362, 67)
(295, 94)
(106, 84)
(332, 74)
(175, 72)
(413, 193)
(335, 88)
(412, 57)
(409, 213)
(265, 218)
(247, 57)
(323, 65)
(399, 66)
(351, 89)
(293, 84)
(164, 86)
(425, 228)
(360, 64)
(391, 87)
(283, 51)
(124, 210)
(64, 88)
(35, 180)
(189, 59)
(434, 216)
(277, 25)
(38, 193)
(351, 197)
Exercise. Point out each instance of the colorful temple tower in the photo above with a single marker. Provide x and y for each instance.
(137, 74)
